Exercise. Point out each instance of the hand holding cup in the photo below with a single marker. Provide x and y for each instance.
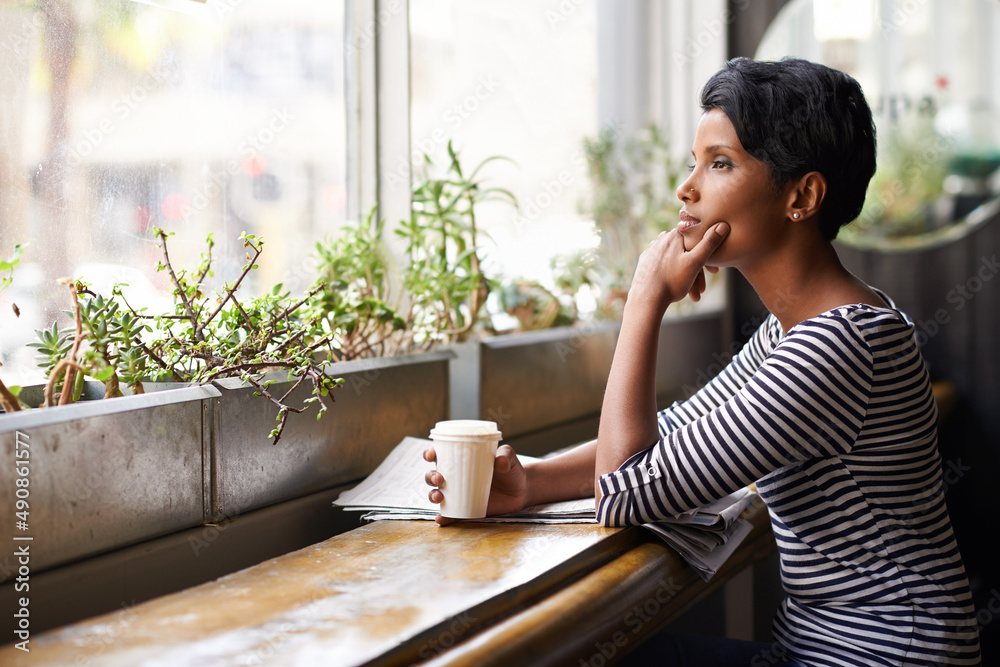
(500, 480)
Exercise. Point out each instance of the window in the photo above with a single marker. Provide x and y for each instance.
(518, 79)
(119, 116)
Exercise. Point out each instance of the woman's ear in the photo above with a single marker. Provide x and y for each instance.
(807, 196)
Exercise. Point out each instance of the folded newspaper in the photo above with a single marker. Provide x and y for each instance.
(704, 537)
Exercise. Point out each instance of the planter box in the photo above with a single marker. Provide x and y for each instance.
(107, 473)
(382, 401)
(532, 381)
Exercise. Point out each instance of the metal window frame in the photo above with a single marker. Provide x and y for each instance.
(377, 75)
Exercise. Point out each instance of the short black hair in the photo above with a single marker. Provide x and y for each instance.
(797, 116)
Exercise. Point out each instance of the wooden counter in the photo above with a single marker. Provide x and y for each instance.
(404, 592)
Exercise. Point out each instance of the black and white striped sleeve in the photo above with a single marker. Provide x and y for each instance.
(726, 383)
(808, 399)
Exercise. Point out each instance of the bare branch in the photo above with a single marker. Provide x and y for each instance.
(208, 263)
(249, 365)
(230, 291)
(53, 376)
(293, 388)
(7, 399)
(309, 295)
(180, 288)
(67, 394)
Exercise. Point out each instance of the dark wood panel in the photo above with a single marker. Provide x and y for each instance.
(985, 392)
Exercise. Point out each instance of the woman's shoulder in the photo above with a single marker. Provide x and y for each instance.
(872, 326)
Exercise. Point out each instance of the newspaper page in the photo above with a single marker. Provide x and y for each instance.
(704, 537)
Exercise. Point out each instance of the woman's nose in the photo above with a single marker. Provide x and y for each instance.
(685, 191)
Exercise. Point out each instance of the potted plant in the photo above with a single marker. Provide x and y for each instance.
(82, 459)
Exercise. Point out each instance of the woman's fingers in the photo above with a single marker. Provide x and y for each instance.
(505, 459)
(433, 478)
(709, 243)
(698, 287)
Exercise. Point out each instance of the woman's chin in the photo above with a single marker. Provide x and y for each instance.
(692, 235)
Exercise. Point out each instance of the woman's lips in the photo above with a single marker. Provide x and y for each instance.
(687, 221)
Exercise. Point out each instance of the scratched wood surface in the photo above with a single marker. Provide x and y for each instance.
(398, 591)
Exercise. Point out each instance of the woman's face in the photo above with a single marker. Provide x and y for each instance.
(727, 184)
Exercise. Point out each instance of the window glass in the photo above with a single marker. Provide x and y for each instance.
(516, 78)
(118, 116)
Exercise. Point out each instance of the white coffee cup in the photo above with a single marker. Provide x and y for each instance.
(465, 450)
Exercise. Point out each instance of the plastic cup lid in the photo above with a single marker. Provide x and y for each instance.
(466, 427)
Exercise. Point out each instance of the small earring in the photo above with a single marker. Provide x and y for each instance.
(795, 215)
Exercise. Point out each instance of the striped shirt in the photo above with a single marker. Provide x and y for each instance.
(836, 423)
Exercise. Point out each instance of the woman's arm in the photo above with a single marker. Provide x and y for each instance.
(807, 402)
(665, 274)
(628, 414)
(568, 476)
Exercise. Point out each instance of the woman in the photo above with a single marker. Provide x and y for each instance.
(828, 407)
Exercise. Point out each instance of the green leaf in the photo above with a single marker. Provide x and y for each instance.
(102, 374)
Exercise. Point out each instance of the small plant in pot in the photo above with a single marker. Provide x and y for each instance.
(205, 337)
(444, 281)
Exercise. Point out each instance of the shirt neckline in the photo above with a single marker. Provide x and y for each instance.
(890, 308)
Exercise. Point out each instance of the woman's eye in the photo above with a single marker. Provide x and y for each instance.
(721, 164)
(690, 167)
